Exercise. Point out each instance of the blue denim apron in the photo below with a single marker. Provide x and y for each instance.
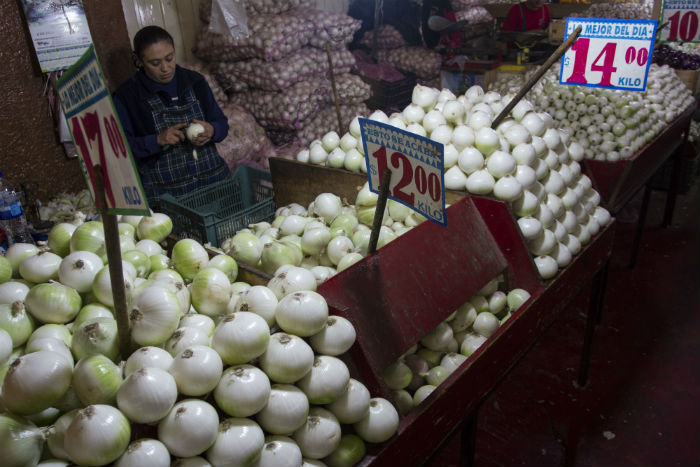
(176, 170)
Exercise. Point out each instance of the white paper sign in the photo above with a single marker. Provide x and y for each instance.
(416, 163)
(683, 17)
(98, 136)
(609, 53)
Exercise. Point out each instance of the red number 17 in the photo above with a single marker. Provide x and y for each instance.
(91, 122)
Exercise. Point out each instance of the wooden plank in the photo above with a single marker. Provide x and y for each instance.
(190, 24)
(442, 412)
(130, 17)
(396, 295)
(171, 23)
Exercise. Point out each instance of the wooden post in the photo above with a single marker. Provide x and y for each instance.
(114, 258)
(335, 90)
(536, 77)
(379, 210)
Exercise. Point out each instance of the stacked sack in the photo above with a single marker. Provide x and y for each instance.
(280, 72)
(392, 49)
(246, 142)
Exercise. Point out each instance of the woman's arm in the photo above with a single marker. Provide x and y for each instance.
(141, 146)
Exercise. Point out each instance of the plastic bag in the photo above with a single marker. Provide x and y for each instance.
(228, 17)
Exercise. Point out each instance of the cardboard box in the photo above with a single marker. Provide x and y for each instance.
(689, 78)
(556, 30)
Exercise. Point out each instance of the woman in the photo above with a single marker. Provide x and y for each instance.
(155, 106)
(527, 16)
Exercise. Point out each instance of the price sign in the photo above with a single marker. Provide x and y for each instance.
(683, 20)
(98, 136)
(609, 53)
(416, 164)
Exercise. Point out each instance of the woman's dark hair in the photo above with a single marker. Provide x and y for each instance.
(148, 36)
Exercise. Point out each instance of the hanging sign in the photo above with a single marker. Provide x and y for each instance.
(59, 31)
(416, 164)
(683, 17)
(609, 53)
(98, 136)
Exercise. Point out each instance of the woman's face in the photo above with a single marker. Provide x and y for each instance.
(159, 61)
(534, 4)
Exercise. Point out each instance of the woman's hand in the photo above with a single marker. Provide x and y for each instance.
(173, 135)
(205, 136)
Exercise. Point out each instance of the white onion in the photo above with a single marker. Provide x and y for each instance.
(352, 404)
(147, 394)
(41, 267)
(326, 380)
(96, 336)
(291, 280)
(144, 451)
(96, 380)
(335, 338)
(17, 322)
(189, 257)
(302, 313)
(59, 238)
(196, 370)
(155, 227)
(90, 236)
(53, 302)
(210, 291)
(240, 337)
(320, 435)
(380, 423)
(102, 284)
(287, 358)
(148, 356)
(175, 430)
(260, 300)
(185, 337)
(242, 391)
(154, 315)
(286, 410)
(35, 382)
(98, 435)
(78, 270)
(239, 442)
(13, 291)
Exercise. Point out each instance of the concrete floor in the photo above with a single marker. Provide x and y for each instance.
(641, 405)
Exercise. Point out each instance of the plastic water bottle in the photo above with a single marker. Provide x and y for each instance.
(12, 218)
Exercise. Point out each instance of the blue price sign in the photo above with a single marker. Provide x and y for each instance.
(416, 164)
(609, 53)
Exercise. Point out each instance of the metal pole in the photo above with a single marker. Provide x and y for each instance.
(379, 210)
(114, 258)
(536, 77)
(335, 90)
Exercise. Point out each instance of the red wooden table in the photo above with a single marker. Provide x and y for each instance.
(399, 293)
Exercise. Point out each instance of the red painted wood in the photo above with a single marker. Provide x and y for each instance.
(618, 181)
(396, 295)
(442, 412)
(501, 222)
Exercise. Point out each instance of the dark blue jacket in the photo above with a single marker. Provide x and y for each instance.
(135, 114)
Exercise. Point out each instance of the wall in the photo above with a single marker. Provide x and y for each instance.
(29, 151)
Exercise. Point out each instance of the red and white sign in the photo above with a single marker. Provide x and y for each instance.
(98, 136)
(609, 53)
(683, 17)
(416, 164)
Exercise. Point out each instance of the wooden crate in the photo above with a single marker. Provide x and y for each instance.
(689, 78)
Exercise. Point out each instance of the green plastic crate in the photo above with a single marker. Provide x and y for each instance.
(215, 213)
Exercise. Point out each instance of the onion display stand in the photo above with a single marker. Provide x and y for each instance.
(398, 294)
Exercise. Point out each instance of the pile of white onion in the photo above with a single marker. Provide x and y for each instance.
(426, 365)
(326, 237)
(526, 162)
(223, 373)
(610, 125)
